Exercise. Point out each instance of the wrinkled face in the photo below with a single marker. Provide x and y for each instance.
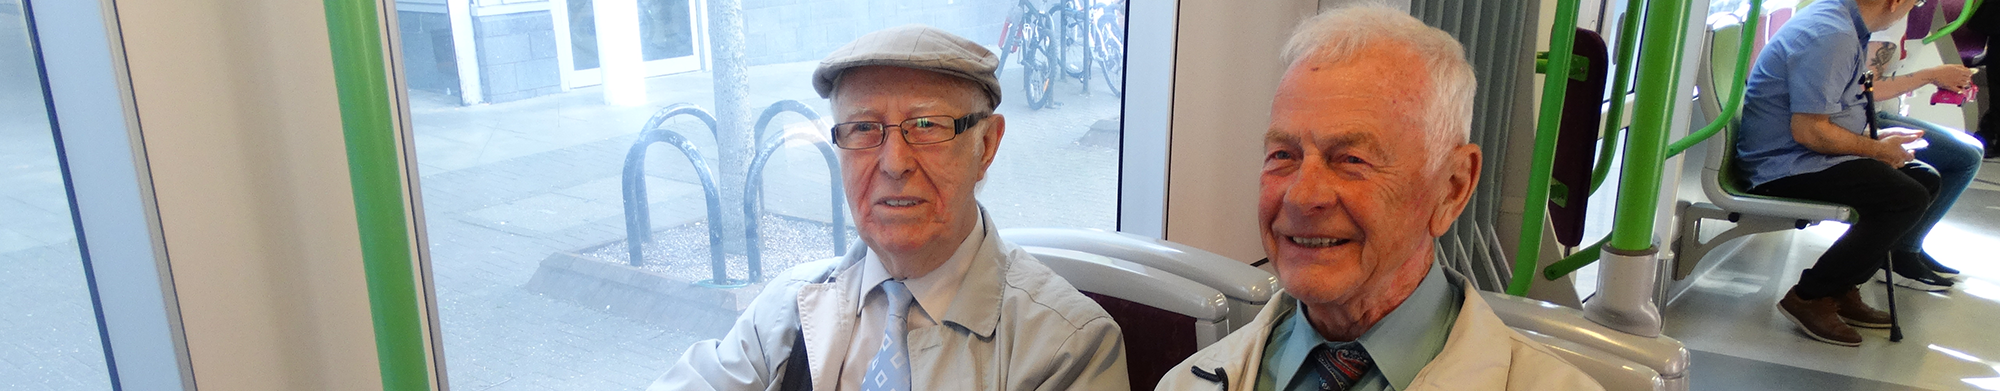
(913, 199)
(1346, 195)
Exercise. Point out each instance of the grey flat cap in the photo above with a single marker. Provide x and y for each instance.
(913, 46)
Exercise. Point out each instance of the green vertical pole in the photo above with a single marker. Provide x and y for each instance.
(1562, 39)
(360, 73)
(1645, 151)
(1621, 81)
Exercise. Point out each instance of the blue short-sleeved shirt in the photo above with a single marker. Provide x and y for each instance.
(1812, 65)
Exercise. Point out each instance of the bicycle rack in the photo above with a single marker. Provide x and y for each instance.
(638, 215)
(753, 188)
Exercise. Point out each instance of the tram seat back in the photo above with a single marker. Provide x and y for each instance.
(1247, 287)
(1165, 318)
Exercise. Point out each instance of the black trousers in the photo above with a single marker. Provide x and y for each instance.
(1888, 201)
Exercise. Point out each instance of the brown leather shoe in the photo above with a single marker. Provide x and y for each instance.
(1820, 319)
(1858, 314)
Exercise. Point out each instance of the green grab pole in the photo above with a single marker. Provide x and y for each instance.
(1621, 81)
(1575, 261)
(1963, 15)
(373, 169)
(1562, 39)
(1645, 149)
(1734, 105)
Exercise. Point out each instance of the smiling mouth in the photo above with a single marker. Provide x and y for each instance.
(1317, 242)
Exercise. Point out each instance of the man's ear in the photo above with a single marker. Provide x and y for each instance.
(1460, 174)
(996, 127)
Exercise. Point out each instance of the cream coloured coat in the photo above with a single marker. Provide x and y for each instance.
(1480, 353)
(1014, 325)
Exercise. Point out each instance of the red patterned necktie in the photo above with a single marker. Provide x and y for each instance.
(1339, 367)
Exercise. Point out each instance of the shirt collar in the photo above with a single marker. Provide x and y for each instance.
(934, 291)
(1860, 26)
(1401, 344)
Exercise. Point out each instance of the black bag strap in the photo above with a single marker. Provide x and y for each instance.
(797, 376)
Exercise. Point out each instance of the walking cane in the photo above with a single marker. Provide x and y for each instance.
(1868, 106)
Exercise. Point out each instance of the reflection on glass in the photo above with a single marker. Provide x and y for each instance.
(526, 202)
(48, 331)
(583, 34)
(665, 29)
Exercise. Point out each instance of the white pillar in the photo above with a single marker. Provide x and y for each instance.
(618, 52)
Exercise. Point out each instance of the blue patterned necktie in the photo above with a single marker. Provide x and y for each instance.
(1339, 367)
(890, 370)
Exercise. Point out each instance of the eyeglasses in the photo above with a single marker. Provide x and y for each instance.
(916, 131)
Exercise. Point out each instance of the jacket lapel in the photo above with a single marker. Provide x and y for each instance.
(826, 320)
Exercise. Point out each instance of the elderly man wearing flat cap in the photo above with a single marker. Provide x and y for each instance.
(935, 301)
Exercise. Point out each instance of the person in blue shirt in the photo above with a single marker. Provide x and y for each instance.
(1803, 136)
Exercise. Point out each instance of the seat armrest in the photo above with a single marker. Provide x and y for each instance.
(1663, 355)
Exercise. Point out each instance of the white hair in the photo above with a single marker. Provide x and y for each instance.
(1334, 36)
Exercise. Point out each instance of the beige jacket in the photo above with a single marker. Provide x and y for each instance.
(1480, 354)
(1014, 325)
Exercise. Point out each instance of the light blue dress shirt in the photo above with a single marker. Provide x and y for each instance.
(1401, 344)
(1812, 65)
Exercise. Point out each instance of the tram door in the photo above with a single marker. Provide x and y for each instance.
(668, 39)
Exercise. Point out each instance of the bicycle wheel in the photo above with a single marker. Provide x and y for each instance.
(1010, 35)
(1038, 69)
(1110, 50)
(1073, 29)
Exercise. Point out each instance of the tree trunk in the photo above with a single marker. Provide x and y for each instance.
(732, 114)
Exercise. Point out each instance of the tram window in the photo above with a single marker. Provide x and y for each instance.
(525, 117)
(48, 328)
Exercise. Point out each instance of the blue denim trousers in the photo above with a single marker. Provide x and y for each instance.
(1956, 156)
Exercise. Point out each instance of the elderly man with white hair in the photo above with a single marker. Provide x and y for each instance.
(935, 301)
(1350, 207)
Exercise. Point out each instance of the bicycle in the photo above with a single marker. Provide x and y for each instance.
(1108, 31)
(1027, 31)
(1076, 28)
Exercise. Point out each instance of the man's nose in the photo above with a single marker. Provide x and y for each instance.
(898, 157)
(1313, 189)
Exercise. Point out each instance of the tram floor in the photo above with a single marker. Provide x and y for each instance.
(1740, 341)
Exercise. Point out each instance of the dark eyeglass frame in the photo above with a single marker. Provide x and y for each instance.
(958, 124)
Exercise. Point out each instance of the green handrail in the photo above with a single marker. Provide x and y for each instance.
(1729, 112)
(1963, 15)
(373, 169)
(1734, 105)
(1645, 151)
(1571, 263)
(1614, 120)
(1562, 39)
